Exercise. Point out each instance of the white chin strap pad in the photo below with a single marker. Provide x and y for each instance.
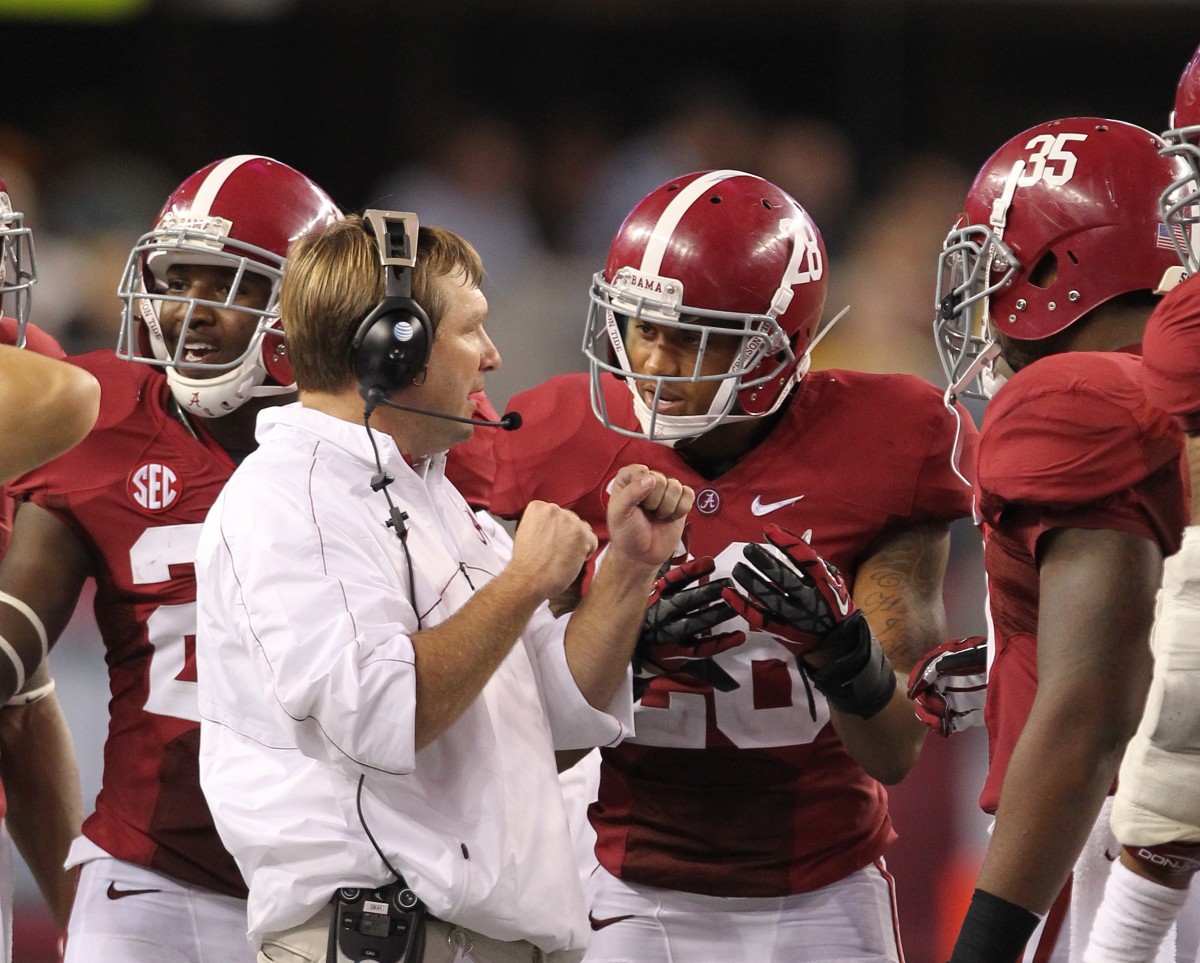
(1157, 799)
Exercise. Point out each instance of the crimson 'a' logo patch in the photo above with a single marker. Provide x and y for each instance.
(708, 501)
(154, 486)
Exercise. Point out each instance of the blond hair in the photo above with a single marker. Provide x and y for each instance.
(333, 279)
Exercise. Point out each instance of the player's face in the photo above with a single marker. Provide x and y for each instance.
(214, 335)
(461, 355)
(672, 352)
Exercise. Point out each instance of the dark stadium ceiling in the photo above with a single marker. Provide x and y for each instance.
(577, 11)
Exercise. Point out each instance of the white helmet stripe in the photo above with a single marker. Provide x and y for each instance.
(213, 183)
(673, 213)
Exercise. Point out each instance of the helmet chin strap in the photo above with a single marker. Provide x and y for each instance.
(991, 381)
(223, 395)
(807, 359)
(673, 430)
(1172, 277)
(270, 391)
(1000, 206)
(984, 361)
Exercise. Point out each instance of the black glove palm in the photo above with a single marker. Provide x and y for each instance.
(790, 591)
(675, 634)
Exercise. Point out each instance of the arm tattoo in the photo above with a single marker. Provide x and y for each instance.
(899, 589)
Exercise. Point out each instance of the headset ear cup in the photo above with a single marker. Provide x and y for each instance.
(391, 347)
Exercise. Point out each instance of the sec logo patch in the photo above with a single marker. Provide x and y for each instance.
(154, 487)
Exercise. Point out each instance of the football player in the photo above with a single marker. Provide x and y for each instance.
(200, 353)
(1053, 267)
(49, 406)
(1156, 810)
(747, 819)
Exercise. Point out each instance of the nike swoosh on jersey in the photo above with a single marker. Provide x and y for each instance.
(599, 924)
(758, 508)
(114, 893)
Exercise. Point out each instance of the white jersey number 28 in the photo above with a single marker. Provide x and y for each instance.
(739, 715)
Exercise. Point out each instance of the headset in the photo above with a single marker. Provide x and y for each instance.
(390, 350)
(391, 347)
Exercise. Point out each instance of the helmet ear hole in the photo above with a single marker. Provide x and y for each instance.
(1045, 272)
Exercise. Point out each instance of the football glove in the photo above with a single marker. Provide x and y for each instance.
(948, 686)
(676, 634)
(790, 592)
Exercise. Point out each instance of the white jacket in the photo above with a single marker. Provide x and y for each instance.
(307, 682)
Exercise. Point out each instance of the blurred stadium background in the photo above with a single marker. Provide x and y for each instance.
(531, 126)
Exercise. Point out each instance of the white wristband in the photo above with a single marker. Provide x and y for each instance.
(10, 653)
(30, 697)
(32, 616)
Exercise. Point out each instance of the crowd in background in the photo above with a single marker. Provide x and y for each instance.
(541, 214)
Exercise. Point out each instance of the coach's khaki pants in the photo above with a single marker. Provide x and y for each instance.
(444, 943)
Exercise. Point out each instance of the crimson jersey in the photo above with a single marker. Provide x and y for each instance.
(1069, 442)
(746, 792)
(1171, 354)
(135, 493)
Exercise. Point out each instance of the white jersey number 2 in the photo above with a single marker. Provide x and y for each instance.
(169, 626)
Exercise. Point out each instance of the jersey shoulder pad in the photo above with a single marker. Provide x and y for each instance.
(1171, 354)
(129, 393)
(124, 385)
(905, 420)
(1072, 429)
(36, 340)
(560, 405)
(560, 453)
(912, 403)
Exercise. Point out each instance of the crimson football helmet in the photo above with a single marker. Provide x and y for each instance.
(1181, 199)
(713, 253)
(1061, 219)
(18, 269)
(240, 213)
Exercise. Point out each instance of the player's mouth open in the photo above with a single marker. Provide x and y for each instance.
(198, 352)
(666, 405)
